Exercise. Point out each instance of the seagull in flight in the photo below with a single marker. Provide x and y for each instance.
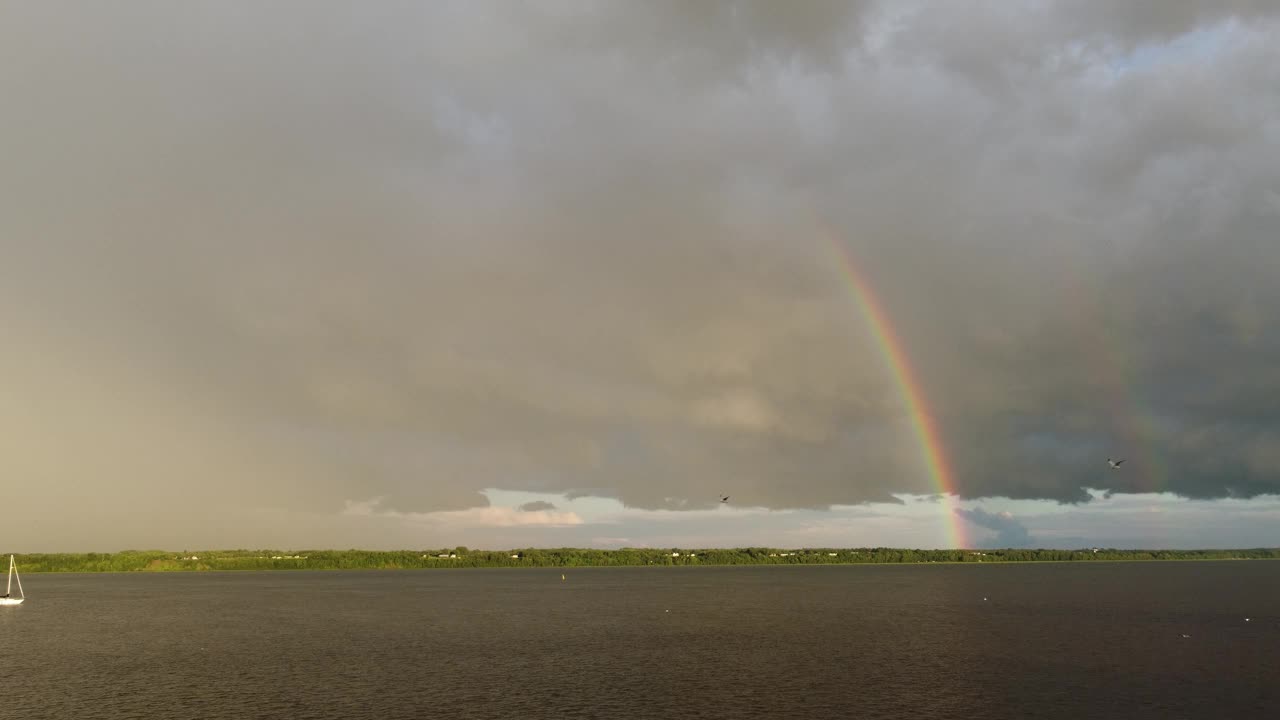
(724, 499)
(1114, 463)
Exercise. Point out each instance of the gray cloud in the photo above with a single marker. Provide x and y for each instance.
(537, 505)
(265, 258)
(1010, 533)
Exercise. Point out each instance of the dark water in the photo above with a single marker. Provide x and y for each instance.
(1052, 641)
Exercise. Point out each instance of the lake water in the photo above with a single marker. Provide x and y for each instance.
(1048, 641)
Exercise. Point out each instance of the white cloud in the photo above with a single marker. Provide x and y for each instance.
(478, 517)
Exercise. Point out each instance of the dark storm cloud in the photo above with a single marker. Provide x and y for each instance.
(1009, 532)
(289, 256)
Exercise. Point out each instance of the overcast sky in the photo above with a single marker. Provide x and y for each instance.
(405, 274)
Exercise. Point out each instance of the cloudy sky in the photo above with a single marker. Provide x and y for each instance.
(404, 274)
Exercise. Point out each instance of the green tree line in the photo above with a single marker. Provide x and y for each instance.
(461, 557)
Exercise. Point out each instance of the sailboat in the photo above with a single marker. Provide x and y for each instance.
(13, 573)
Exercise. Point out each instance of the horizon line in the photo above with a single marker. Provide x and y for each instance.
(710, 548)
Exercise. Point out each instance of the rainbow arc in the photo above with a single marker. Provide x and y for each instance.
(904, 377)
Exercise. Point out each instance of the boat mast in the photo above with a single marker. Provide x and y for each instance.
(15, 574)
(9, 587)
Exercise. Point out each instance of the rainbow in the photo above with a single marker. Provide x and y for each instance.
(895, 358)
(1112, 369)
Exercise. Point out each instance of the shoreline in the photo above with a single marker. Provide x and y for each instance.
(157, 562)
(290, 571)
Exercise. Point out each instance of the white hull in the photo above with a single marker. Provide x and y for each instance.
(11, 601)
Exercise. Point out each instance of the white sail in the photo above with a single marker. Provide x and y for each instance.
(13, 573)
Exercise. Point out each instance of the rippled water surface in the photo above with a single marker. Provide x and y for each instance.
(1012, 641)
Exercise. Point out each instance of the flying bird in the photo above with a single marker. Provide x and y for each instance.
(1114, 463)
(724, 499)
